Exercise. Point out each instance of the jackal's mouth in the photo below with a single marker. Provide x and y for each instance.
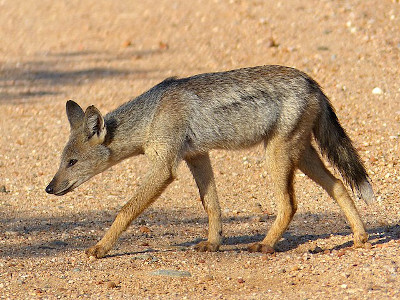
(66, 190)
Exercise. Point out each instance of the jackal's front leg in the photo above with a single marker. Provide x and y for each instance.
(200, 166)
(158, 178)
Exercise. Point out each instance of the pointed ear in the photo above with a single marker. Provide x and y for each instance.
(94, 125)
(75, 114)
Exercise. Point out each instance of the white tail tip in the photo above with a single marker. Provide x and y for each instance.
(366, 193)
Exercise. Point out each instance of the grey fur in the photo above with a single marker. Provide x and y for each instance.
(183, 119)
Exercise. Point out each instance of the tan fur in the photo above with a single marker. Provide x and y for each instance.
(314, 168)
(183, 119)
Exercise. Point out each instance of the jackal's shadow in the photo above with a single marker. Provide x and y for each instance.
(35, 236)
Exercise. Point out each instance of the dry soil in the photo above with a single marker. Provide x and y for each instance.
(107, 52)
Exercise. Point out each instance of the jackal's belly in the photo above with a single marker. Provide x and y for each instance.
(227, 135)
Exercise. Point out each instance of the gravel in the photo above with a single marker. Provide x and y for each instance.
(106, 52)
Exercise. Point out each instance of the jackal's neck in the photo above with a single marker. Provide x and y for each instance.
(126, 129)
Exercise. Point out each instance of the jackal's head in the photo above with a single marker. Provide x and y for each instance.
(85, 155)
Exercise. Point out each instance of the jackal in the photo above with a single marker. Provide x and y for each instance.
(183, 119)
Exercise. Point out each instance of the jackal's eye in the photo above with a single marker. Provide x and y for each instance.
(72, 162)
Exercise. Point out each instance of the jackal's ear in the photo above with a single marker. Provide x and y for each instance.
(94, 125)
(75, 114)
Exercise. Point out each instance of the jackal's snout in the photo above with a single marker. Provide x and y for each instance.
(59, 188)
(49, 189)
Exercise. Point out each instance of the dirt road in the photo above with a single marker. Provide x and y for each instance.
(106, 52)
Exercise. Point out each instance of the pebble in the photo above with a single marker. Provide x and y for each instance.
(126, 44)
(295, 268)
(257, 208)
(111, 285)
(257, 219)
(208, 278)
(377, 91)
(316, 250)
(368, 246)
(142, 257)
(146, 257)
(144, 229)
(163, 46)
(3, 189)
(171, 273)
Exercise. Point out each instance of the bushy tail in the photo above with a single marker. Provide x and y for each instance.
(336, 145)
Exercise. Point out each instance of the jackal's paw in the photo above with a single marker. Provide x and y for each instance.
(360, 241)
(363, 245)
(258, 247)
(96, 251)
(206, 246)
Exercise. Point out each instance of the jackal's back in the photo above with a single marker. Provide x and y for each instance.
(229, 110)
(242, 107)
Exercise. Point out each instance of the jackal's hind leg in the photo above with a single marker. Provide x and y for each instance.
(314, 168)
(200, 166)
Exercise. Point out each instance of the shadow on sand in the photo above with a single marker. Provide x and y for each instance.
(46, 236)
(28, 81)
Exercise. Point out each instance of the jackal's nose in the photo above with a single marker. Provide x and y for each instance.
(49, 189)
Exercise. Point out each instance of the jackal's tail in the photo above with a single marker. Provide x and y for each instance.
(336, 145)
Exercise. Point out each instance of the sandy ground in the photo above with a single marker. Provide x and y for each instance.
(106, 52)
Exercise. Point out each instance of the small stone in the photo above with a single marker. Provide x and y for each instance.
(240, 280)
(144, 229)
(126, 44)
(295, 268)
(341, 253)
(171, 273)
(163, 45)
(323, 48)
(271, 43)
(58, 243)
(257, 208)
(3, 189)
(344, 286)
(316, 250)
(377, 91)
(368, 246)
(208, 278)
(143, 257)
(111, 285)
(256, 219)
(11, 233)
(373, 159)
(154, 259)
